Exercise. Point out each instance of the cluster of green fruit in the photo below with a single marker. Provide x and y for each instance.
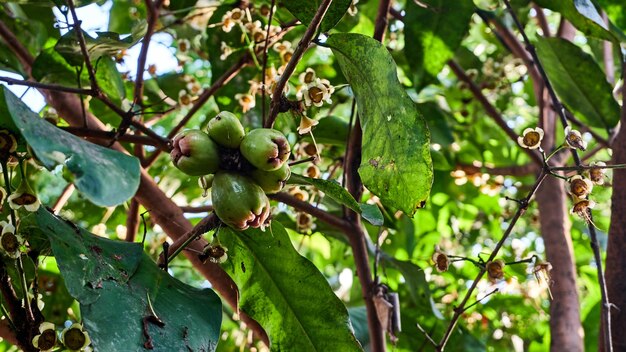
(240, 168)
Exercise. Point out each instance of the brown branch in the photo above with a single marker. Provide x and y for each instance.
(380, 27)
(153, 15)
(25, 58)
(307, 37)
(458, 310)
(132, 220)
(59, 88)
(63, 198)
(490, 109)
(108, 135)
(200, 209)
(320, 214)
(83, 47)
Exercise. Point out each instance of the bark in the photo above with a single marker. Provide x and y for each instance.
(615, 259)
(565, 327)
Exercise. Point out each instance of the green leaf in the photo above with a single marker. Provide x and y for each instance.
(334, 190)
(396, 163)
(579, 82)
(415, 280)
(305, 10)
(278, 288)
(104, 176)
(582, 14)
(433, 32)
(112, 280)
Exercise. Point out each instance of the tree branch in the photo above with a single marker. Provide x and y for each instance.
(307, 37)
(153, 15)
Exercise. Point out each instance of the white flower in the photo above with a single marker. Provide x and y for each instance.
(531, 138)
(579, 186)
(308, 76)
(282, 47)
(215, 253)
(24, 197)
(75, 338)
(47, 338)
(574, 139)
(316, 93)
(352, 10)
(231, 18)
(184, 98)
(306, 124)
(226, 51)
(246, 101)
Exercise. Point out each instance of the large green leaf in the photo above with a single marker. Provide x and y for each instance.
(616, 10)
(305, 10)
(582, 14)
(579, 82)
(286, 293)
(334, 190)
(396, 163)
(104, 176)
(115, 282)
(433, 32)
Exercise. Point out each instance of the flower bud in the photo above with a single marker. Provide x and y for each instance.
(226, 130)
(194, 153)
(265, 148)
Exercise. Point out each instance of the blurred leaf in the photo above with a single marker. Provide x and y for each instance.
(305, 10)
(579, 82)
(331, 130)
(112, 281)
(396, 163)
(106, 177)
(433, 32)
(616, 10)
(437, 120)
(582, 14)
(358, 316)
(415, 279)
(334, 190)
(106, 44)
(277, 288)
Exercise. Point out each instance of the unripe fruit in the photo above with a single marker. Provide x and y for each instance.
(194, 153)
(226, 130)
(272, 181)
(238, 201)
(265, 148)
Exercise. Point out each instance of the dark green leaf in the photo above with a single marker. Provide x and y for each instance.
(115, 283)
(579, 82)
(277, 288)
(106, 177)
(437, 120)
(305, 10)
(372, 213)
(616, 10)
(433, 32)
(582, 14)
(396, 163)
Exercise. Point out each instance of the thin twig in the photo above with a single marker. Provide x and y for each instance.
(63, 198)
(606, 314)
(107, 135)
(265, 47)
(153, 15)
(293, 62)
(55, 87)
(523, 205)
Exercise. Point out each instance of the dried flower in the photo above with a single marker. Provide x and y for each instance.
(75, 338)
(581, 208)
(597, 173)
(10, 242)
(574, 139)
(531, 138)
(226, 51)
(495, 270)
(25, 197)
(8, 143)
(441, 260)
(579, 186)
(47, 338)
(215, 253)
